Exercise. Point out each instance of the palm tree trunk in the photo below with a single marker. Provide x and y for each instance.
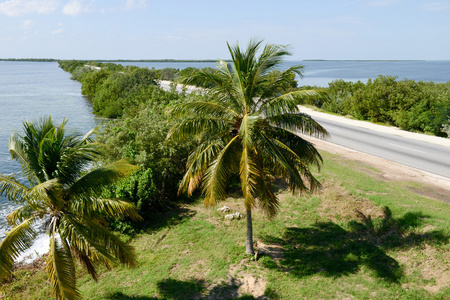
(249, 244)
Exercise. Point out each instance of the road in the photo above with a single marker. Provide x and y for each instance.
(421, 155)
(430, 154)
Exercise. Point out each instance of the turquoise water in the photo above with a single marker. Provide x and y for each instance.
(30, 90)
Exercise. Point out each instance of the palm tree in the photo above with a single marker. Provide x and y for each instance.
(63, 193)
(249, 128)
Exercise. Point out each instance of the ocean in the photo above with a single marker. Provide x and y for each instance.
(31, 90)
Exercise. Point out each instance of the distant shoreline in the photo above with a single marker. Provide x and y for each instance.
(365, 60)
(110, 60)
(200, 60)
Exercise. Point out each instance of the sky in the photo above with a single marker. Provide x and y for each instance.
(200, 29)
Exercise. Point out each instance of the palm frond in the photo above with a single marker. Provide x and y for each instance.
(227, 92)
(247, 128)
(48, 194)
(87, 235)
(81, 240)
(284, 104)
(191, 127)
(277, 85)
(17, 240)
(92, 182)
(19, 215)
(298, 123)
(247, 174)
(271, 57)
(302, 147)
(90, 207)
(284, 158)
(268, 201)
(202, 108)
(198, 161)
(12, 188)
(87, 262)
(61, 271)
(218, 173)
(20, 152)
(74, 160)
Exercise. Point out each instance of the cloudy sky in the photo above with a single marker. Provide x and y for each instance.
(199, 29)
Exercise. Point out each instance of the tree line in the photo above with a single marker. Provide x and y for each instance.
(410, 105)
(416, 106)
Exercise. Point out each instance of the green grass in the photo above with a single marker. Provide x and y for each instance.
(359, 238)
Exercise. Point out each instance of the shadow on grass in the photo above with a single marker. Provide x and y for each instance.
(328, 249)
(197, 289)
(153, 220)
(122, 296)
(190, 289)
(169, 218)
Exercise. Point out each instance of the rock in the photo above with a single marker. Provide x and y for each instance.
(224, 209)
(236, 215)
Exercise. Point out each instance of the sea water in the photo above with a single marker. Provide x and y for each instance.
(30, 91)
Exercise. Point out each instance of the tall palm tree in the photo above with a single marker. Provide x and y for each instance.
(250, 128)
(62, 191)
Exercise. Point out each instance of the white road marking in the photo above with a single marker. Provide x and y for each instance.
(333, 128)
(410, 149)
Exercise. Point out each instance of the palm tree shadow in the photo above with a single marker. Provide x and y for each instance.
(169, 289)
(328, 249)
(163, 219)
(198, 289)
(122, 296)
(177, 289)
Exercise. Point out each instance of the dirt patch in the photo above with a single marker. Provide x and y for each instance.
(240, 283)
(434, 186)
(431, 263)
(337, 204)
(251, 285)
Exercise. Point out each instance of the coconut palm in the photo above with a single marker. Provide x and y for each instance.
(250, 128)
(63, 192)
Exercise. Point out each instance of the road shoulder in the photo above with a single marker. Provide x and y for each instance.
(380, 128)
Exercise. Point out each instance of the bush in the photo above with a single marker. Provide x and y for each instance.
(410, 105)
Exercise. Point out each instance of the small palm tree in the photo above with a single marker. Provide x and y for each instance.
(250, 128)
(62, 192)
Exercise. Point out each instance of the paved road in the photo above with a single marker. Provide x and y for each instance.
(421, 155)
(417, 154)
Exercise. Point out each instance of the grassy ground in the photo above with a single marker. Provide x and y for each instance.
(359, 238)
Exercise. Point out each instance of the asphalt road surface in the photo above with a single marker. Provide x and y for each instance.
(420, 155)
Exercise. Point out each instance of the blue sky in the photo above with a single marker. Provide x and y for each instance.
(199, 29)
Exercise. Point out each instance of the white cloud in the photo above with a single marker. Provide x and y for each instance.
(14, 8)
(59, 30)
(135, 4)
(27, 24)
(75, 8)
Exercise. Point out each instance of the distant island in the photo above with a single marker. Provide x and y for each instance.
(112, 60)
(29, 59)
(363, 60)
